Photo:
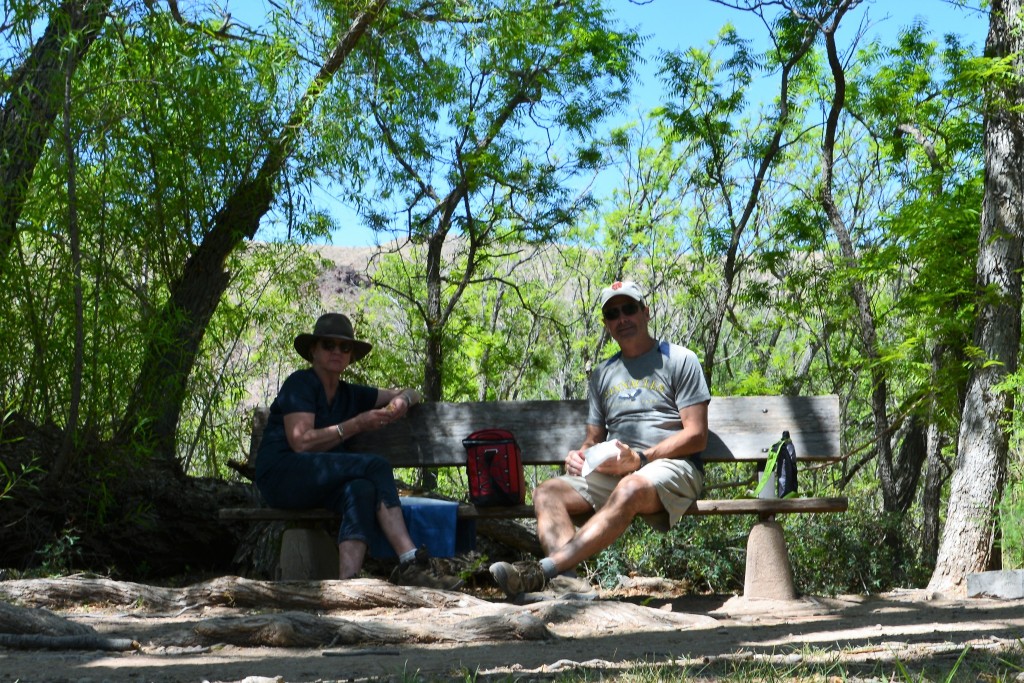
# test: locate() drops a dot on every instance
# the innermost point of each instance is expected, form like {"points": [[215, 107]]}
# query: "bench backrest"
{"points": [[742, 428]]}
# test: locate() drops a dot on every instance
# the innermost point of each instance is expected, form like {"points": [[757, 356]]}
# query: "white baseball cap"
{"points": [[627, 288]]}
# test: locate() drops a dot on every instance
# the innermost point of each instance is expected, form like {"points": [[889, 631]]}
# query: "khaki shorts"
{"points": [[677, 481]]}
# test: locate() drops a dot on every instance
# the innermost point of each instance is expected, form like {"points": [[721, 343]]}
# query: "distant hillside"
{"points": [[347, 275]]}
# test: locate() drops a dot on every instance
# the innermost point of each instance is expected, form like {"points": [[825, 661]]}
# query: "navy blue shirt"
{"points": [[303, 392]]}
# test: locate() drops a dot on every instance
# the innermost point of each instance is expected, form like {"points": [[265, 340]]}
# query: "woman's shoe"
{"points": [[420, 572]]}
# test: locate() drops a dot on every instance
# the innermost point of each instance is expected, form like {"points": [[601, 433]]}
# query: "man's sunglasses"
{"points": [[614, 312], [343, 346]]}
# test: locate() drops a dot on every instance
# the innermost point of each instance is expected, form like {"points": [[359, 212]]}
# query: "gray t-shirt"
{"points": [[637, 400]]}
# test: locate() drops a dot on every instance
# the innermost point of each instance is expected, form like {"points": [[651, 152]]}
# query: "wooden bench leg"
{"points": [[768, 572], [307, 555]]}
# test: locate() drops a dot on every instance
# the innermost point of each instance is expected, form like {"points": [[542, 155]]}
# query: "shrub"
{"points": [[831, 554], [853, 552]]}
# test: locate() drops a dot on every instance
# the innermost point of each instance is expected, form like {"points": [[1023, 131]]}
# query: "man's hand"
{"points": [[574, 463], [626, 462]]}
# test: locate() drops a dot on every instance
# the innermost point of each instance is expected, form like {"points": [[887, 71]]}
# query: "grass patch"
{"points": [[880, 664]]}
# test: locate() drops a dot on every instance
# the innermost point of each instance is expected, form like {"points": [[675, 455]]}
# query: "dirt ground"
{"points": [[706, 635]]}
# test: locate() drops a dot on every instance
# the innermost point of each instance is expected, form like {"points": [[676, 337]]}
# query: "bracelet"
{"points": [[341, 431]]}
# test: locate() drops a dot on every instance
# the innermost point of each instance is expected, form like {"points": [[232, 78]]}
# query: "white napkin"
{"points": [[597, 454]]}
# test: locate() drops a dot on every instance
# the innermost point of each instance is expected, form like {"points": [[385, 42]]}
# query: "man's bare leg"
{"points": [[555, 503], [633, 496]]}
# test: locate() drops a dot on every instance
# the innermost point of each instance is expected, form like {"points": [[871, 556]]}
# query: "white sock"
{"points": [[407, 556]]}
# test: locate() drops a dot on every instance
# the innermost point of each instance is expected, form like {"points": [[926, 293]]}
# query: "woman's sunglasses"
{"points": [[614, 312], [343, 346]]}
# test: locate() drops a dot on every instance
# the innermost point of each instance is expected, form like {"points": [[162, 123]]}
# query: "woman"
{"points": [[302, 461]]}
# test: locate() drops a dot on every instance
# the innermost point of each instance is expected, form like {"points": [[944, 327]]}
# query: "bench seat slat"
{"points": [[738, 506], [764, 506], [758, 506]]}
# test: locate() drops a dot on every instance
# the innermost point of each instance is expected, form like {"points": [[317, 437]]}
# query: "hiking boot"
{"points": [[521, 577], [421, 573]]}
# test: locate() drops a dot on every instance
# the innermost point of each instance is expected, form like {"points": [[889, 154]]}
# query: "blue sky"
{"points": [[680, 24]]}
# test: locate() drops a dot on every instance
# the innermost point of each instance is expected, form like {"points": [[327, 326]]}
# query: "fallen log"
{"points": [[36, 641], [17, 619], [298, 629], [230, 591]]}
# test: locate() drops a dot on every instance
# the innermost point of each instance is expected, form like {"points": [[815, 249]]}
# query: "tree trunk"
{"points": [[74, 242], [436, 318], [438, 312], [907, 463], [931, 497], [155, 408], [983, 441], [858, 292], [937, 467], [772, 149], [34, 93]]}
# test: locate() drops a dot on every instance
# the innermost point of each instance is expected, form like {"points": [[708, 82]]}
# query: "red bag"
{"points": [[494, 465]]}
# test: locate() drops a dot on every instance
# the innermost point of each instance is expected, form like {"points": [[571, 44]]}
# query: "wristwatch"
{"points": [[643, 457]]}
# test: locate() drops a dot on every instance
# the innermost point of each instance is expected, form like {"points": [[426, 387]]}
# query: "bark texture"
{"points": [[977, 483], [32, 98]]}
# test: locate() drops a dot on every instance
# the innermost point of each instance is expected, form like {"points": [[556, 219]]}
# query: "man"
{"points": [[650, 400]]}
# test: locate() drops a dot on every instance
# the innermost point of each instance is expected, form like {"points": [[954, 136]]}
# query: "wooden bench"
{"points": [[741, 429]]}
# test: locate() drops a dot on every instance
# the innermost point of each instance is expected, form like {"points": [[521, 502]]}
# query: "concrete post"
{"points": [[768, 573], [308, 555]]}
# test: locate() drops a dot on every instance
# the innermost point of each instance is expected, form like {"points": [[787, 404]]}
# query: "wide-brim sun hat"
{"points": [[625, 288], [331, 326]]}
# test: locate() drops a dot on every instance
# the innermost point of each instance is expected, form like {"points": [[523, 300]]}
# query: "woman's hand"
{"points": [[397, 402], [376, 418], [398, 406]]}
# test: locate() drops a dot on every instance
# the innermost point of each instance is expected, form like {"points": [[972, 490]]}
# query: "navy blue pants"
{"points": [[351, 484]]}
